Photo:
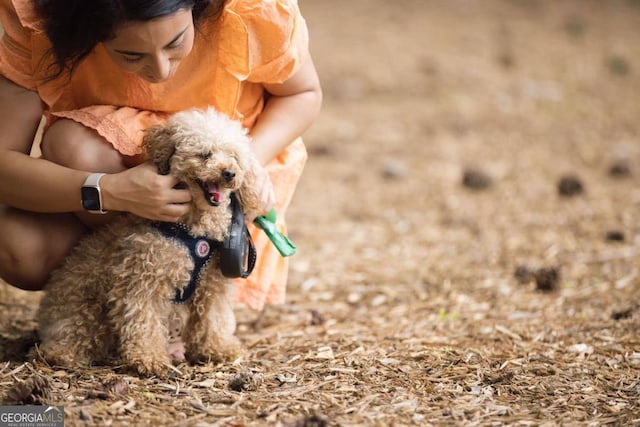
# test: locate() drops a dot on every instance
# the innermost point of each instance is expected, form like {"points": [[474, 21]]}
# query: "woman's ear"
{"points": [[159, 146]]}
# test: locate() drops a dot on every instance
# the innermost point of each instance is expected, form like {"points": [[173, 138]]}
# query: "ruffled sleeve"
{"points": [[16, 57], [263, 41]]}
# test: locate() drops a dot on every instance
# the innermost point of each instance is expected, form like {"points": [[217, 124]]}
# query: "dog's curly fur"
{"points": [[113, 294]]}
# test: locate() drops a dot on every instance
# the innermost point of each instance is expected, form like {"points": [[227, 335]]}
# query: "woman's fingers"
{"points": [[173, 212]]}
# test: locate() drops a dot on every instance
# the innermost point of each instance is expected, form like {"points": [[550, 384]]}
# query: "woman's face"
{"points": [[153, 49]]}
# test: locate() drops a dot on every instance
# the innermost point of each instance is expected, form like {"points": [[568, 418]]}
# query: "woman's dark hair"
{"points": [[75, 27]]}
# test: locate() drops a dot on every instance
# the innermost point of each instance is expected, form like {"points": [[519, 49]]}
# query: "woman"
{"points": [[103, 71]]}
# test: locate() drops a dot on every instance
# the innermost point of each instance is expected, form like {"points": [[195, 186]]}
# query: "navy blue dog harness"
{"points": [[201, 250]]}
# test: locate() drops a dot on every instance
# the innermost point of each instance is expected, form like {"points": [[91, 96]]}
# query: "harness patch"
{"points": [[203, 249]]}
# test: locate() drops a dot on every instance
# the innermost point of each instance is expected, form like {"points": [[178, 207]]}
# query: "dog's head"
{"points": [[210, 154]]}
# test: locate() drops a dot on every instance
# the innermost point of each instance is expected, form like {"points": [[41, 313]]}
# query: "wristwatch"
{"points": [[90, 193]]}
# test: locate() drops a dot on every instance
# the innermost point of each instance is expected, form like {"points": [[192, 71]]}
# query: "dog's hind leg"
{"points": [[209, 336], [72, 332]]}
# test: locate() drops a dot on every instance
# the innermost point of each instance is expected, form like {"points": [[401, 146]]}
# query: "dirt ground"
{"points": [[468, 229]]}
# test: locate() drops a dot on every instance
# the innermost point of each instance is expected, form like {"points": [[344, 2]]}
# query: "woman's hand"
{"points": [[143, 192]]}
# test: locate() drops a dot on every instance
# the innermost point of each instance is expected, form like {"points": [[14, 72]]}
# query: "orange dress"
{"points": [[252, 42]]}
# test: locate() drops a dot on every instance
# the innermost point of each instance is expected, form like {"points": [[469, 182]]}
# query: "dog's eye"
{"points": [[205, 156]]}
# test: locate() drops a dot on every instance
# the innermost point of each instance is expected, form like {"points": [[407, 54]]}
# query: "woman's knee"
{"points": [[30, 250], [74, 145], [25, 263]]}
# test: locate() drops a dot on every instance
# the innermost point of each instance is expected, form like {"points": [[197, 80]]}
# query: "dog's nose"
{"points": [[228, 175]]}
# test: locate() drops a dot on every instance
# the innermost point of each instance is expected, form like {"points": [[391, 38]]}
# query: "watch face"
{"points": [[90, 198]]}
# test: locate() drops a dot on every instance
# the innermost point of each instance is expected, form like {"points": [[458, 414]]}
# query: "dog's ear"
{"points": [[159, 145]]}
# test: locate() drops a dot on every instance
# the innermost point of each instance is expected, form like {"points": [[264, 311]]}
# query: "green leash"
{"points": [[280, 241]]}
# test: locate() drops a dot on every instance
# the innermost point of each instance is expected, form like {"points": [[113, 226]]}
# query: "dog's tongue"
{"points": [[214, 192]]}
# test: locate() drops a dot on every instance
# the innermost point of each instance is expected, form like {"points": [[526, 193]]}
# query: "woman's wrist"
{"points": [[91, 194]]}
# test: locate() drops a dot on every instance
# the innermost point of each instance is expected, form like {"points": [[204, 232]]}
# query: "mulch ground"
{"points": [[468, 229]]}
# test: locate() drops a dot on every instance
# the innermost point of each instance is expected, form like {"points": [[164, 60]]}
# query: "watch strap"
{"points": [[93, 180]]}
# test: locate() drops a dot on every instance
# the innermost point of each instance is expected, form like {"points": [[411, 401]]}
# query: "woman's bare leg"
{"points": [[33, 244], [71, 144]]}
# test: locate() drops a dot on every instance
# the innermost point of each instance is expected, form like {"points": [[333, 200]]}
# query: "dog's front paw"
{"points": [[225, 351], [149, 364], [57, 355], [150, 368]]}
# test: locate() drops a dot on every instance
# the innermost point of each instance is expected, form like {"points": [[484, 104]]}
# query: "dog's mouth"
{"points": [[212, 193]]}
